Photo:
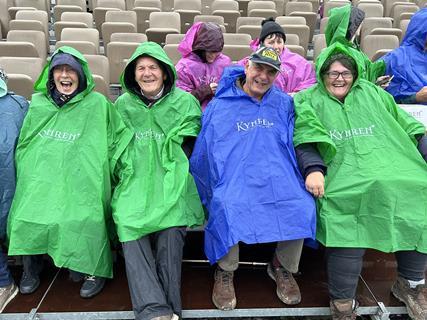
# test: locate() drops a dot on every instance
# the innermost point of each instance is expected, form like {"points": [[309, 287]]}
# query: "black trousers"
{"points": [[345, 264], [153, 269]]}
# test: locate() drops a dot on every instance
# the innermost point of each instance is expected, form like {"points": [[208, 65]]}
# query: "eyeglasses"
{"points": [[333, 75]]}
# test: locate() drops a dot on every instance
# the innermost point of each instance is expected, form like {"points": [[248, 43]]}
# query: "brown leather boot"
{"points": [[287, 288], [342, 309], [415, 299], [223, 295]]}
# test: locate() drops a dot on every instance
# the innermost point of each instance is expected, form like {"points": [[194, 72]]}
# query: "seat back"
{"points": [[118, 52], [370, 24], [37, 38], [237, 39], [237, 52], [372, 43], [85, 47], [84, 17], [128, 37], [172, 52], [298, 6], [371, 9], [60, 25], [78, 34]]}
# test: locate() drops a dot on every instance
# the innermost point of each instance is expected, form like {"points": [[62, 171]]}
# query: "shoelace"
{"points": [[226, 278], [90, 278], [287, 276]]}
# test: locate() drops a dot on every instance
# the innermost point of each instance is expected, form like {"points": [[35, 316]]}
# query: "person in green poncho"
{"points": [[374, 194], [153, 209], [68, 155], [344, 26]]}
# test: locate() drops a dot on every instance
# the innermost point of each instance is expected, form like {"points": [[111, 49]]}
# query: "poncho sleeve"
{"points": [[184, 81], [309, 129], [412, 127]]}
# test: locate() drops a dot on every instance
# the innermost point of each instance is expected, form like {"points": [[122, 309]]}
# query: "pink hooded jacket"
{"points": [[296, 72], [195, 75]]}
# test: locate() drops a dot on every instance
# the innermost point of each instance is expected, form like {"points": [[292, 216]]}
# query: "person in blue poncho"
{"points": [[247, 175], [408, 63], [12, 112]]}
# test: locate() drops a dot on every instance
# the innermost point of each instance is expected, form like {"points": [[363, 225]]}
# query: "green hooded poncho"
{"points": [[336, 31], [65, 161], [375, 187], [161, 193]]}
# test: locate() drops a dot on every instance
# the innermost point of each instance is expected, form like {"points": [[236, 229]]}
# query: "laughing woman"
{"points": [[374, 194]]}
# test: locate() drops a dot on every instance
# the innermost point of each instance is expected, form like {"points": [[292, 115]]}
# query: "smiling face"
{"points": [[66, 79], [276, 42], [149, 75], [338, 80], [259, 78]]}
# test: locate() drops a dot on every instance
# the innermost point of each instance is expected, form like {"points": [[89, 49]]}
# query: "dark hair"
{"points": [[344, 59]]}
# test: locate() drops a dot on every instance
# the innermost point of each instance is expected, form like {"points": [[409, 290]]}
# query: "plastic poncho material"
{"points": [[296, 72], [12, 112], [192, 71], [65, 160], [161, 193], [336, 31], [408, 63], [246, 171], [375, 187]]}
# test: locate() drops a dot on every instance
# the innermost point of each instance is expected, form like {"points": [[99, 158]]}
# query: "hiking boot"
{"points": [[223, 295], [287, 288], [415, 299], [7, 294], [29, 283], [342, 309], [92, 286]]}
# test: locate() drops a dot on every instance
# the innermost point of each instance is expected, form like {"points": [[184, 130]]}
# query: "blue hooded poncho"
{"points": [[246, 171], [408, 63]]}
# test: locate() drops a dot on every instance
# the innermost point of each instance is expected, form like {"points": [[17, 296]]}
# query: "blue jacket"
{"points": [[12, 112], [246, 172], [408, 63]]}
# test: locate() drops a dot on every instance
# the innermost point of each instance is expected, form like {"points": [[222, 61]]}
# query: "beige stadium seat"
{"points": [[118, 53], [85, 47], [128, 37], [29, 66], [299, 6], [121, 16], [209, 18], [37, 15], [118, 21], [37, 38], [13, 10], [101, 85], [102, 7], [99, 65], [21, 84], [400, 9], [4, 17], [319, 43], [129, 4], [143, 17], [380, 53], [237, 39], [18, 49], [310, 18], [174, 38], [265, 13], [68, 6], [253, 31], [148, 4], [315, 4], [248, 21], [334, 4], [292, 39], [167, 5], [262, 8], [60, 25], [84, 17], [172, 52], [291, 20], [403, 26], [229, 9], [237, 52], [77, 34], [296, 49], [187, 10], [280, 6], [388, 4], [370, 24], [29, 25], [372, 43], [371, 9], [303, 32], [161, 24], [38, 4], [390, 31], [323, 24]]}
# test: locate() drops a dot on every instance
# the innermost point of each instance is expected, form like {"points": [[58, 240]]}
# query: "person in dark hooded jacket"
{"points": [[12, 112], [202, 62]]}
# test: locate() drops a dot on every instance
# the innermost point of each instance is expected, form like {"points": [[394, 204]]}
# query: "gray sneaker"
{"points": [[342, 309], [7, 294], [92, 286], [223, 295], [29, 283], [415, 299]]}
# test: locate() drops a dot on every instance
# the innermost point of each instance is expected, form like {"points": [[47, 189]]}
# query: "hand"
{"points": [[315, 184], [421, 95], [213, 86], [383, 81]]}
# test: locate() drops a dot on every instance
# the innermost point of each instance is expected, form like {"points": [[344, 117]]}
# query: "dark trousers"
{"points": [[153, 269], [345, 264], [5, 276], [33, 264]]}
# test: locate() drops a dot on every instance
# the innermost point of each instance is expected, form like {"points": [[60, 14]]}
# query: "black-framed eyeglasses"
{"points": [[335, 75]]}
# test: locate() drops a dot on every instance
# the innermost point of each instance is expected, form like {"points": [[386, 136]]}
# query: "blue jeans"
{"points": [[5, 276]]}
